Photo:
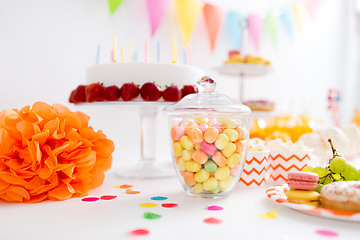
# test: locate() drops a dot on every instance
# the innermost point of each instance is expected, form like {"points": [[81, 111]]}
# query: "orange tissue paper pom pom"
{"points": [[50, 152]]}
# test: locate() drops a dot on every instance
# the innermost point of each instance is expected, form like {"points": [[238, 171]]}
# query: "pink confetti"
{"points": [[169, 205], [107, 197], [139, 232], [326, 233], [212, 220], [90, 199], [214, 208]]}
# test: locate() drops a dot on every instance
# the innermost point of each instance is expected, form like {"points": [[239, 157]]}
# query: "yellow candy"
{"points": [[181, 164], [186, 154], [192, 166], [201, 120], [198, 188], [221, 141], [234, 159], [229, 149], [177, 149], [210, 184], [211, 134], [232, 134], [186, 142], [228, 123], [226, 183], [197, 146], [222, 173], [201, 175]]}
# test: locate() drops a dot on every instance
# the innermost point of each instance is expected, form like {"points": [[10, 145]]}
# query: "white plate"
{"points": [[277, 194]]}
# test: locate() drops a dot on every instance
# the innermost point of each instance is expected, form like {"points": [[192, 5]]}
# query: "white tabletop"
{"points": [[114, 219]]}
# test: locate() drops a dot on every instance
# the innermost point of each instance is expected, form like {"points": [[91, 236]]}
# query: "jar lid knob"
{"points": [[206, 85]]}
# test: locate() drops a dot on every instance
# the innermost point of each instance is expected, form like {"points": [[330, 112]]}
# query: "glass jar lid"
{"points": [[207, 101]]}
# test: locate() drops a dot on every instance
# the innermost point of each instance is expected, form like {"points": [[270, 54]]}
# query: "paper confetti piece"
{"points": [[214, 208], [124, 186], [90, 199], [159, 198], [148, 205], [129, 191], [139, 232], [169, 205], [212, 220], [326, 233], [268, 215], [108, 197], [149, 215]]}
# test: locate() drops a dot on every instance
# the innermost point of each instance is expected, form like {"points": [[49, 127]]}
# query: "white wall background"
{"points": [[47, 45]]}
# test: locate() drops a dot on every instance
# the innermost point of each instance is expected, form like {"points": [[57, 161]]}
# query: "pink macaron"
{"points": [[302, 180]]}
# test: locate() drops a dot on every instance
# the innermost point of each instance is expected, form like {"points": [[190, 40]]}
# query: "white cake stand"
{"points": [[147, 166], [243, 70]]}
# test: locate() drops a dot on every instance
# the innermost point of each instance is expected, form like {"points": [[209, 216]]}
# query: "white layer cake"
{"points": [[139, 73]]}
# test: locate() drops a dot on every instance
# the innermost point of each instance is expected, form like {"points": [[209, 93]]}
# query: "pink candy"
{"points": [[208, 148], [235, 170], [177, 132], [203, 127]]}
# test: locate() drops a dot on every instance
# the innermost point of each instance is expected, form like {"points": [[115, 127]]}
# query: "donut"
{"points": [[344, 196]]}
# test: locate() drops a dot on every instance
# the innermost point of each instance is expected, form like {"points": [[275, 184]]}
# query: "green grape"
{"points": [[318, 188], [337, 177], [351, 173], [308, 169], [322, 172], [338, 165], [328, 180]]}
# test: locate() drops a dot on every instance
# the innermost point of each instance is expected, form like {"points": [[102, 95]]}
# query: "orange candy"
{"points": [[241, 132], [240, 145], [219, 159], [211, 134], [200, 157], [195, 134], [189, 178]]}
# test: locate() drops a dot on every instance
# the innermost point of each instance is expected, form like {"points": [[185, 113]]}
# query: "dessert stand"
{"points": [[147, 166]]}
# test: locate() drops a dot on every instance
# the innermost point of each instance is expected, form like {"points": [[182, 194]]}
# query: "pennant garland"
{"points": [[271, 24], [113, 5], [157, 10], [188, 12], [233, 21], [214, 17], [255, 28]]}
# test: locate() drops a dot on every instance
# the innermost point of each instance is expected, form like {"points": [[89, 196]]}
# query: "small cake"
{"points": [[260, 105], [235, 57], [344, 196]]}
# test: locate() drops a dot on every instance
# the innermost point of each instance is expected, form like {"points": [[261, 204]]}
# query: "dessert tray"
{"points": [[244, 69], [277, 194]]}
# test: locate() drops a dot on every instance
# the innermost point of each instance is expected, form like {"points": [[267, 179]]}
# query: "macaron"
{"points": [[303, 196], [302, 180]]}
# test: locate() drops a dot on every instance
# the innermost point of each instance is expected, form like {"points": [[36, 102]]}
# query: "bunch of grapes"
{"points": [[338, 169]]}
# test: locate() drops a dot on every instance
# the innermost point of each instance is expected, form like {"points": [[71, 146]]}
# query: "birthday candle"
{"points": [[98, 54], [174, 50], [130, 51], [158, 51], [146, 50], [134, 57], [114, 49], [189, 54], [122, 53], [185, 57]]}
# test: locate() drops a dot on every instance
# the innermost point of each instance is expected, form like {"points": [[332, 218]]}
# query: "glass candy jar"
{"points": [[209, 135]]}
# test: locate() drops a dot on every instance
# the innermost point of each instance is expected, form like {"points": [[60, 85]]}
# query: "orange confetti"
{"points": [[49, 152], [129, 191], [124, 186]]}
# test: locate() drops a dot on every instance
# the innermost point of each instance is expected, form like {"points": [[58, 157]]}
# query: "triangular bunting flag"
{"points": [[214, 17], [157, 10], [255, 26], [271, 25], [188, 12], [113, 5], [286, 18], [295, 7], [233, 21]]}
